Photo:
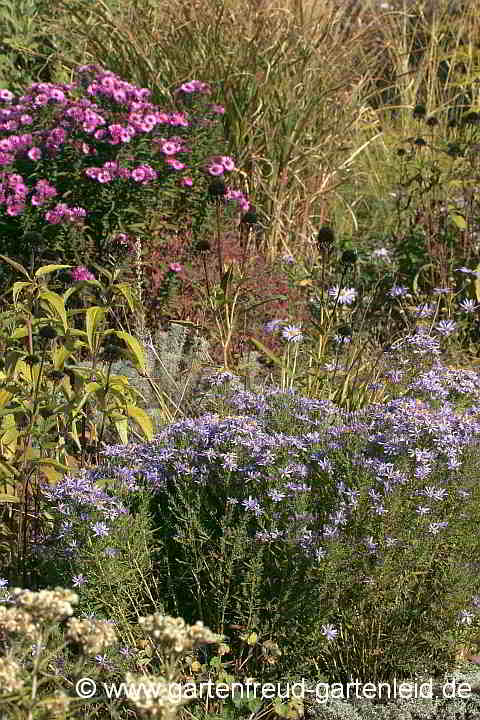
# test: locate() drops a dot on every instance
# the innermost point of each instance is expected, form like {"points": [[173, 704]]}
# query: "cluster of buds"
{"points": [[175, 635], [93, 636]]}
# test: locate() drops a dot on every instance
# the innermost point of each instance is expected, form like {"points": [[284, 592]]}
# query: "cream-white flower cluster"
{"points": [[10, 680], [153, 697], [49, 605], [16, 620], [175, 635], [94, 636]]}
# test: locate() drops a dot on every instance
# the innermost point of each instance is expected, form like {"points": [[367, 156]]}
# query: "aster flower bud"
{"points": [[454, 150], [217, 189], [32, 360], [349, 257], [47, 332], [471, 118], [325, 237], [345, 331], [202, 246], [250, 217], [419, 112]]}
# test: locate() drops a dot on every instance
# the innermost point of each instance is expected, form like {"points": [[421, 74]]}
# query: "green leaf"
{"points": [[18, 287], [94, 317], [122, 429], [56, 302], [16, 265], [126, 291], [459, 221], [135, 348], [49, 268]]}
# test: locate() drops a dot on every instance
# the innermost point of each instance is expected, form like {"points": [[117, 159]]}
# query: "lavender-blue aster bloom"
{"points": [[446, 327], [329, 631], [292, 333]]}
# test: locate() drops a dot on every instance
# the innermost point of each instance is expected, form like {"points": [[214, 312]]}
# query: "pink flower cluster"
{"points": [[111, 170], [43, 191], [219, 164], [61, 213], [135, 115], [81, 274], [13, 193]]}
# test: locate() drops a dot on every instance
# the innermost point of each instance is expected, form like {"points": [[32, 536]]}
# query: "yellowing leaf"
{"points": [[122, 429], [20, 332], [459, 221], [16, 265], [125, 290], [56, 302], [134, 347], [94, 317], [4, 397], [17, 289], [143, 419], [49, 268], [52, 475], [5, 498]]}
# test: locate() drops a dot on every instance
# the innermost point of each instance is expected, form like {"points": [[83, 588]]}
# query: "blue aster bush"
{"points": [[84, 165], [347, 538]]}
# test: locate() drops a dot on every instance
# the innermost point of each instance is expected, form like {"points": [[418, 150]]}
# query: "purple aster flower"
{"points": [[434, 528], [466, 617], [291, 333], [382, 253], [100, 529], [79, 580], [272, 325], [398, 291], [346, 296], [469, 306], [3, 582], [329, 631], [252, 504], [442, 291], [446, 327]]}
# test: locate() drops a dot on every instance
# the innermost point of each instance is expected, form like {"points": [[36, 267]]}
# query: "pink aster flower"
{"points": [[15, 209], [57, 95], [175, 164], [175, 267], [34, 153], [103, 176], [81, 274], [40, 100], [138, 174], [216, 169], [6, 95], [186, 182]]}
